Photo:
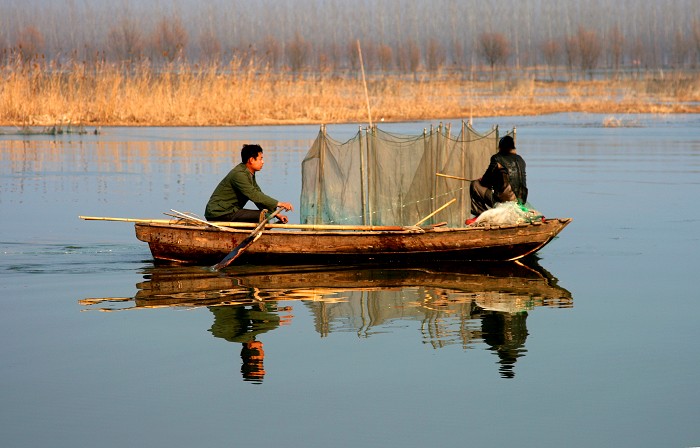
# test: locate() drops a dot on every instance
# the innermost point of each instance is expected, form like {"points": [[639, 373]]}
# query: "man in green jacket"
{"points": [[238, 187]]}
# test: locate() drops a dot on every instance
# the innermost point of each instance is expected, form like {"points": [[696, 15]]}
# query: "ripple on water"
{"points": [[33, 258]]}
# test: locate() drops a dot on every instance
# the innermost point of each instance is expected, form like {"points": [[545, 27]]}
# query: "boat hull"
{"points": [[187, 244]]}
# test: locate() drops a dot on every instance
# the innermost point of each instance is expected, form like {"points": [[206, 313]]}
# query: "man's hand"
{"points": [[282, 218], [285, 205]]}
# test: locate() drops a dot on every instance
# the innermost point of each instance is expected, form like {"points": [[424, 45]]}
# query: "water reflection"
{"points": [[243, 324], [474, 305]]}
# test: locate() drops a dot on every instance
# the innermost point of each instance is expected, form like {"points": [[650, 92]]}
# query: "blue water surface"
{"points": [[592, 343]]}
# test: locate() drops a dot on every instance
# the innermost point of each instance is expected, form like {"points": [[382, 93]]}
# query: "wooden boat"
{"points": [[183, 242]]}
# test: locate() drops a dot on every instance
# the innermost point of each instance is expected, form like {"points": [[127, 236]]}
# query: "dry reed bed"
{"points": [[105, 94]]}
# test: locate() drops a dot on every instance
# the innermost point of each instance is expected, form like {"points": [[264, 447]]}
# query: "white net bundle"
{"points": [[508, 213]]}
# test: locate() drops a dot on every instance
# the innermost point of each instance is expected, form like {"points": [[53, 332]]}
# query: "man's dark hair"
{"points": [[249, 151], [506, 144]]}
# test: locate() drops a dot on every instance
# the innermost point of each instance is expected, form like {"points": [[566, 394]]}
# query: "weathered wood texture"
{"points": [[202, 245]]}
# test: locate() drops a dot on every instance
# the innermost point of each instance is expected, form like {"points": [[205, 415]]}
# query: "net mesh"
{"points": [[508, 213], [380, 178]]}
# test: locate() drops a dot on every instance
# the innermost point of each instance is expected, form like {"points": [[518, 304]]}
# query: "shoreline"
{"points": [[187, 99]]}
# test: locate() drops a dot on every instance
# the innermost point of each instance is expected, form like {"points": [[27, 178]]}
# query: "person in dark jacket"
{"points": [[503, 181], [238, 187]]}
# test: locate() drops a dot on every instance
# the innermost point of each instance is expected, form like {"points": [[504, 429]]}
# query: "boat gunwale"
{"points": [[405, 232]]}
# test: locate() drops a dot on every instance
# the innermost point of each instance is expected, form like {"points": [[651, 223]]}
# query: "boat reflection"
{"points": [[466, 305]]}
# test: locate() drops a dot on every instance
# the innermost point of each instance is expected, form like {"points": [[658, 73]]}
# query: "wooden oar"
{"points": [[247, 241], [435, 212]]}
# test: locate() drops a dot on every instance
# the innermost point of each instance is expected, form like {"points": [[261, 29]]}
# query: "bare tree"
{"points": [[444, 32], [434, 55], [325, 62], [400, 58], [384, 54], [298, 51], [209, 46], [369, 54], [637, 50], [125, 41], [590, 50], [414, 57], [408, 58], [353, 55], [695, 33], [551, 52], [572, 54], [616, 48], [273, 50], [4, 50], [335, 56], [493, 48], [681, 50], [458, 59], [170, 38], [29, 43]]}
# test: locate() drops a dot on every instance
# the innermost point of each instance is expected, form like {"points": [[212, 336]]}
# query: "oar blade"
{"points": [[247, 241], [235, 253]]}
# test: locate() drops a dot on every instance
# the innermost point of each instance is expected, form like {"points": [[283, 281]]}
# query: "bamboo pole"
{"points": [[362, 66], [435, 212], [463, 168], [427, 147], [251, 225], [453, 177], [138, 220], [362, 179], [320, 183], [196, 219], [371, 161]]}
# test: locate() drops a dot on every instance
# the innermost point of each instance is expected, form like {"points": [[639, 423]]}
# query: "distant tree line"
{"points": [[553, 39]]}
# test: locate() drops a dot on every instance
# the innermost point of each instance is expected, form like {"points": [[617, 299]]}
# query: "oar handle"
{"points": [[266, 220]]}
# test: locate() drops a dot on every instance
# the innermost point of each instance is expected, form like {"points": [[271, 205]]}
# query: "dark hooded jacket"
{"points": [[506, 168]]}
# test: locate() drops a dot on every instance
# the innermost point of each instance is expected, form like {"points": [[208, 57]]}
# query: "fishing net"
{"points": [[506, 213], [381, 178]]}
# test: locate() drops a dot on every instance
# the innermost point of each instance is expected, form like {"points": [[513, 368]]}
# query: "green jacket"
{"points": [[234, 191]]}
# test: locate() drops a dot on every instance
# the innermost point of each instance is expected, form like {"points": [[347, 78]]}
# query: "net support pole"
{"points": [[427, 146], [363, 196], [370, 173], [463, 171], [320, 184]]}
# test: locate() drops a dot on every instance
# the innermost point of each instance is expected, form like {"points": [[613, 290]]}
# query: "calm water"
{"points": [[594, 343]]}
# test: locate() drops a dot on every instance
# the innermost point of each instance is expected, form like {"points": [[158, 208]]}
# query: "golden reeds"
{"points": [[104, 94]]}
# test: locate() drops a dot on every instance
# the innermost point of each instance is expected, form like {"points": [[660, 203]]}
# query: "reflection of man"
{"points": [[252, 355], [505, 333], [243, 324]]}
